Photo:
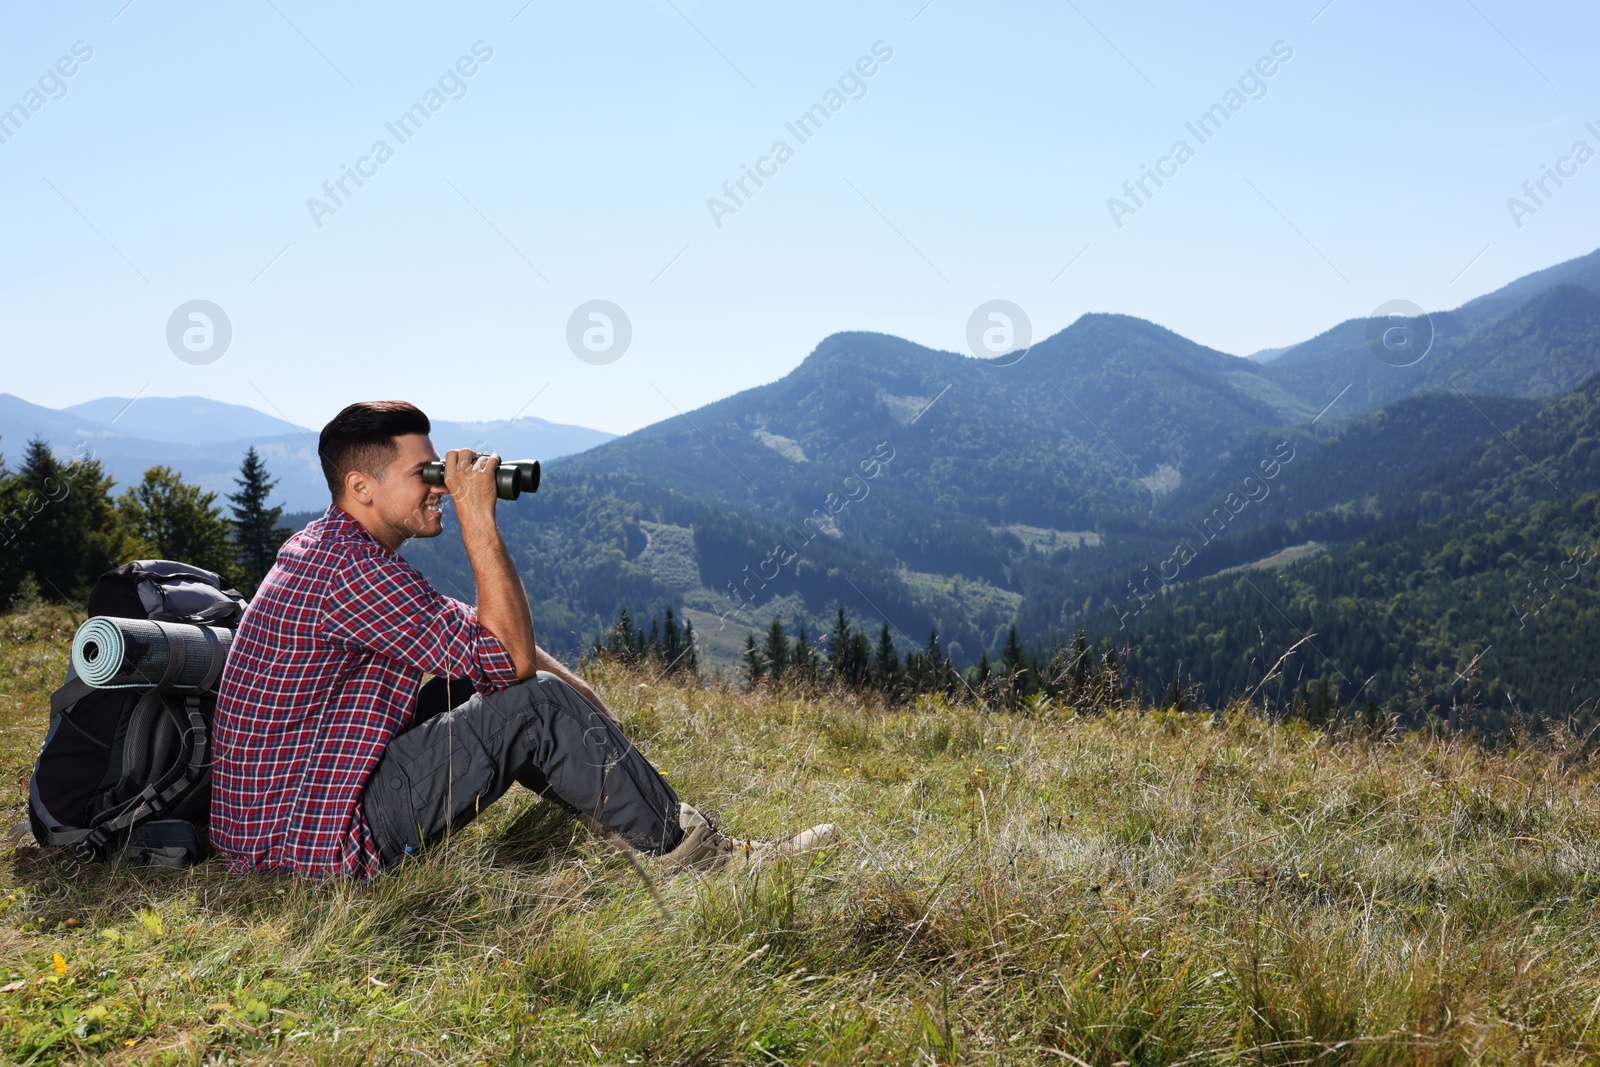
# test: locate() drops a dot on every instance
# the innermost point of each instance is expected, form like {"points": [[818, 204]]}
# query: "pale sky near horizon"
{"points": [[575, 163]]}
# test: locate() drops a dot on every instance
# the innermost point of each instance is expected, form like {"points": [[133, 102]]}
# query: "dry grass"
{"points": [[1140, 887]]}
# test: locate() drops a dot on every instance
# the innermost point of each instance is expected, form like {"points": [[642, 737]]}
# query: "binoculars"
{"points": [[515, 477]]}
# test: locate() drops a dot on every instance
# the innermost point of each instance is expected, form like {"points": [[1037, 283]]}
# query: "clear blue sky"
{"points": [[977, 164]]}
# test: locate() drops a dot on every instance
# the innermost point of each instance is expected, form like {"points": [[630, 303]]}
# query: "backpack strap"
{"points": [[156, 797], [177, 656], [143, 724], [73, 691], [219, 657]]}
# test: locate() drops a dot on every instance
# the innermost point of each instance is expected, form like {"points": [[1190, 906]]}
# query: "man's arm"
{"points": [[547, 662], [502, 601]]}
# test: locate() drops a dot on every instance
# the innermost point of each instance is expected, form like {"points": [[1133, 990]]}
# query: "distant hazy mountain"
{"points": [[1267, 355], [1105, 414], [1471, 348], [1543, 348], [20, 420], [1583, 272], [525, 438], [206, 441], [188, 420]]}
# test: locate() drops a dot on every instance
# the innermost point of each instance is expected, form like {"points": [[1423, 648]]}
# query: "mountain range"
{"points": [[206, 440], [1115, 476], [1026, 491]]}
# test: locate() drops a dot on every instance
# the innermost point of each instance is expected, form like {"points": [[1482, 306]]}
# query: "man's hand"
{"points": [[471, 481], [502, 600]]}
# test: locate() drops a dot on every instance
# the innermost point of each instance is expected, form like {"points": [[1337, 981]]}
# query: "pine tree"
{"points": [[257, 535], [839, 645], [1321, 703], [858, 664], [179, 521], [12, 516], [671, 643], [1015, 663], [950, 678], [691, 655], [1081, 667], [620, 641], [755, 665], [776, 651], [886, 663], [61, 527], [930, 665], [803, 657]]}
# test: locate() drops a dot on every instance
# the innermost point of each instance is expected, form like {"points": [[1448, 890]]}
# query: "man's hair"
{"points": [[361, 438]]}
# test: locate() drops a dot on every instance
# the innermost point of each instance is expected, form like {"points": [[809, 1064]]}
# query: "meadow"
{"points": [[1049, 885]]}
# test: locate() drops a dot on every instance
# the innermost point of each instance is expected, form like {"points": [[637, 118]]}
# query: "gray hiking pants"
{"points": [[436, 775]]}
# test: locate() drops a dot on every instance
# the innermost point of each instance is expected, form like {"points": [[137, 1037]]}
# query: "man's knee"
{"points": [[547, 686], [548, 691], [538, 685]]}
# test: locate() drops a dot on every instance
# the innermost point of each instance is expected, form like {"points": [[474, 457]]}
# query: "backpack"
{"points": [[128, 771]]}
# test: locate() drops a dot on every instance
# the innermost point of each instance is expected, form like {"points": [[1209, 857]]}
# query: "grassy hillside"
{"points": [[1058, 887]]}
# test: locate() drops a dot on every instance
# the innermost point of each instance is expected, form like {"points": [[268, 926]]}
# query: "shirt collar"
{"points": [[340, 520]]}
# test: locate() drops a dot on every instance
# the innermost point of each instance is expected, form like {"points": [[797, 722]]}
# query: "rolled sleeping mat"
{"points": [[113, 653]]}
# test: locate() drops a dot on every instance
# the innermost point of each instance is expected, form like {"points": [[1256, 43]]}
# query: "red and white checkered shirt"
{"points": [[321, 675]]}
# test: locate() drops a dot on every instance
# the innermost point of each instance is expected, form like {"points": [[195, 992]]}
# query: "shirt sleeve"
{"points": [[384, 605]]}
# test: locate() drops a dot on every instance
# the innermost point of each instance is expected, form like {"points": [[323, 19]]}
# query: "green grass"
{"points": [[1139, 887]]}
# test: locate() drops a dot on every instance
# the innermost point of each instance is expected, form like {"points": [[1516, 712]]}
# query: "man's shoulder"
{"points": [[334, 542]]}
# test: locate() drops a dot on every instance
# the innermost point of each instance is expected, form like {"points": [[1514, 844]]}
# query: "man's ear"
{"points": [[358, 486]]}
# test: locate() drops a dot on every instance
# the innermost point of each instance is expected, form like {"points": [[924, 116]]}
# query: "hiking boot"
{"points": [[704, 847]]}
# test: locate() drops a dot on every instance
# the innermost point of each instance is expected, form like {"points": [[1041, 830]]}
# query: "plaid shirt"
{"points": [[322, 674]]}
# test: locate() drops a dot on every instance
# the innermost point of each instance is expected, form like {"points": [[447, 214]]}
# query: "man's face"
{"points": [[405, 504]]}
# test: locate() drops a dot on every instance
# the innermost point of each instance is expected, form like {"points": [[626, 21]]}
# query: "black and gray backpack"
{"points": [[128, 771]]}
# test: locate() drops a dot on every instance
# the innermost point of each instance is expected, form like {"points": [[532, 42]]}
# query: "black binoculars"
{"points": [[515, 477]]}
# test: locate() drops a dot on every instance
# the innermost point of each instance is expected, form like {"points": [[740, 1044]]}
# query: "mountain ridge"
{"points": [[212, 463]]}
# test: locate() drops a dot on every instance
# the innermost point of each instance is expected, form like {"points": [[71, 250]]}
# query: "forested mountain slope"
{"points": [[1493, 552]]}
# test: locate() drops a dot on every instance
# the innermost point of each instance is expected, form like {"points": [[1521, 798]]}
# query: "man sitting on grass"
{"points": [[330, 761]]}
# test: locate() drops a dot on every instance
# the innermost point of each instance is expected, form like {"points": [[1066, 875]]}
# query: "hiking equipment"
{"points": [[127, 769]]}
